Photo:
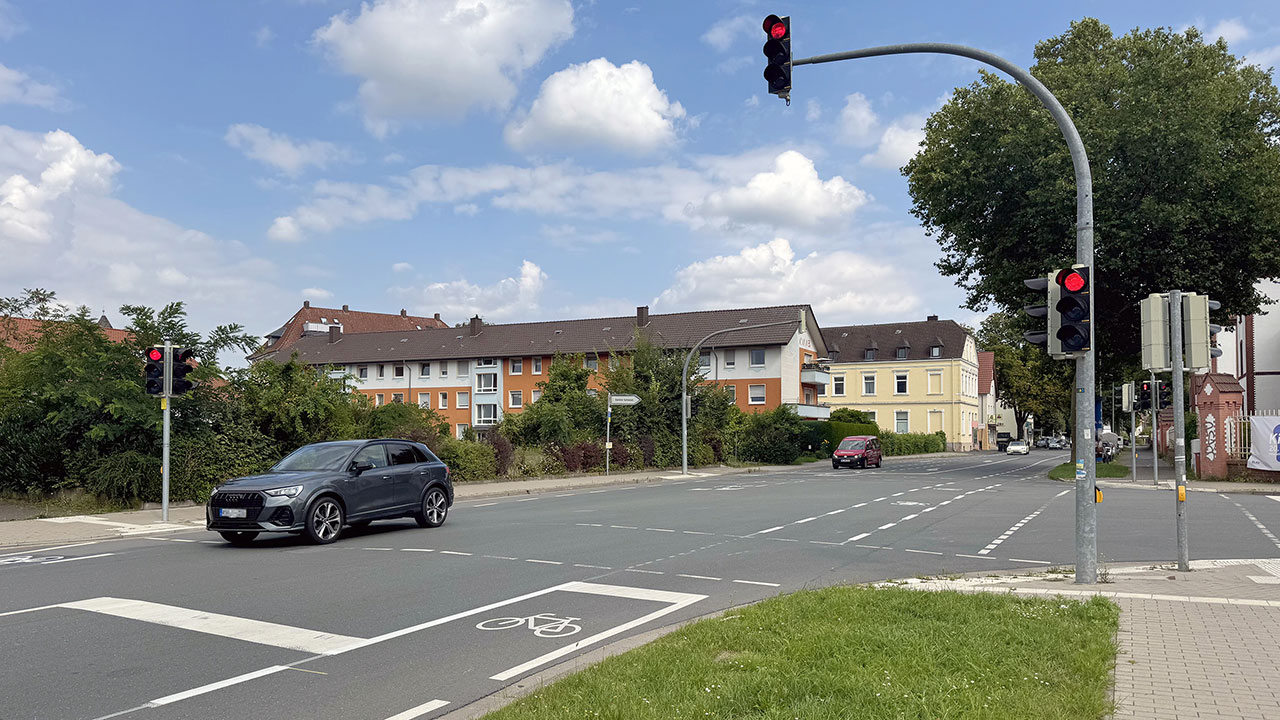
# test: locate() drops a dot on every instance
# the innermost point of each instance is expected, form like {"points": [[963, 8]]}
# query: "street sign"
{"points": [[624, 399]]}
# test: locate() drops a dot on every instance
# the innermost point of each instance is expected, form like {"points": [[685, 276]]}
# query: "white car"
{"points": [[1017, 447]]}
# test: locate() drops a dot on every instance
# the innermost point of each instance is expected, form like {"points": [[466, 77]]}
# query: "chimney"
{"points": [[335, 333], [642, 316], [437, 316], [345, 308], [402, 312], [476, 323], [306, 303], [932, 318]]}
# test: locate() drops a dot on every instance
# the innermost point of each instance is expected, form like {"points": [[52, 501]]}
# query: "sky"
{"points": [[517, 159]]}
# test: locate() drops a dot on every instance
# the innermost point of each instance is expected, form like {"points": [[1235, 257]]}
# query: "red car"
{"points": [[858, 451]]}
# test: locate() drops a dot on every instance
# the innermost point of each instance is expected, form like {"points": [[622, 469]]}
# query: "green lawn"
{"points": [[854, 652], [1067, 471]]}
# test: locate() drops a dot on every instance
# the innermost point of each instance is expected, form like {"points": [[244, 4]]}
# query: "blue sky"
{"points": [[520, 159]]}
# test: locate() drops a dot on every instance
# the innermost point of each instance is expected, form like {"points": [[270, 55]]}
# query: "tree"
{"points": [[1184, 144], [849, 415], [1027, 380]]}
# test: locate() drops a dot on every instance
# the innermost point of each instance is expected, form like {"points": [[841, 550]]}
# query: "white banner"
{"points": [[1264, 446]]}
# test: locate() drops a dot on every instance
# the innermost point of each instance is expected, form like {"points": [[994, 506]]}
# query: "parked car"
{"points": [[1055, 444], [1042, 442], [858, 451], [1018, 447], [320, 488]]}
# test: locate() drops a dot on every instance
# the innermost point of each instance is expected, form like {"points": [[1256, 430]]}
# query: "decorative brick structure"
{"points": [[1218, 398]]}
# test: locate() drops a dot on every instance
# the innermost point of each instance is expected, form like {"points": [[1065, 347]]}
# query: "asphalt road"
{"points": [[397, 622]]}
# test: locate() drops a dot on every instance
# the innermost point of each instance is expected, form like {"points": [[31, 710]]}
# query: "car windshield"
{"points": [[324, 456], [852, 445], [1017, 443]]}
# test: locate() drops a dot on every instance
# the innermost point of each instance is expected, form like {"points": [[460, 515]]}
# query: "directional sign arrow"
{"points": [[624, 399]]}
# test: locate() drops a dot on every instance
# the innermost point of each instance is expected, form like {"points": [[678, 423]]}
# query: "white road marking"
{"points": [[416, 550], [886, 526], [55, 547], [376, 548], [695, 532], [625, 527], [27, 610], [824, 542], [913, 515], [593, 492], [567, 495], [1018, 525], [217, 685], [419, 711], [1273, 497], [544, 562], [254, 631], [757, 582], [808, 519], [527, 499], [698, 577], [588, 524], [453, 552], [856, 538], [646, 572], [179, 540], [1037, 562], [979, 557], [593, 567], [72, 559], [763, 532], [923, 552], [1257, 523], [485, 504], [861, 504], [660, 530], [499, 557]]}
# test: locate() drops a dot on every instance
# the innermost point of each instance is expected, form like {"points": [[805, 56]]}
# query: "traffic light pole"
{"points": [[1179, 426], [165, 399], [1086, 464], [1155, 416]]}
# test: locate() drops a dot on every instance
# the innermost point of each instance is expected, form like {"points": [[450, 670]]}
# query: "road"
{"points": [[384, 623]]}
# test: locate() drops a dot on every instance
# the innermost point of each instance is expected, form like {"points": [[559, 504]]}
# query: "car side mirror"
{"points": [[358, 468]]}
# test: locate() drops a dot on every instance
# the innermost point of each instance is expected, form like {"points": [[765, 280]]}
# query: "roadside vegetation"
{"points": [[1067, 471], [856, 652]]}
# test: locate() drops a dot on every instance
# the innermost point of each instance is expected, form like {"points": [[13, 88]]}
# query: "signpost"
{"points": [[614, 399]]}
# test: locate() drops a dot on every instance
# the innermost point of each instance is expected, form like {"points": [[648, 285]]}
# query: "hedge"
{"points": [[832, 432], [911, 443]]}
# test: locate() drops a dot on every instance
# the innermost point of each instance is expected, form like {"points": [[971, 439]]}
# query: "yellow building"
{"points": [[911, 377]]}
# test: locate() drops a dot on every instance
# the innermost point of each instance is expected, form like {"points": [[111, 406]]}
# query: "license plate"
{"points": [[233, 512]]}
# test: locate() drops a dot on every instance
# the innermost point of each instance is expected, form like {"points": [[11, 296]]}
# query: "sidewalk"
{"points": [[1191, 645], [1144, 478]]}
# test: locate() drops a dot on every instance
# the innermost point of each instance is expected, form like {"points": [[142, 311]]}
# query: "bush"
{"points": [[592, 455], [620, 455], [504, 453], [469, 461], [701, 454], [911, 443], [824, 436], [773, 437], [648, 450], [571, 456], [849, 415], [120, 476]]}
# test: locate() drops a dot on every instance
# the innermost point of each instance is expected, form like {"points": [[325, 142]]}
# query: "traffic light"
{"points": [[154, 370], [1143, 401], [1074, 311], [1166, 395], [182, 365], [1126, 397], [1197, 331], [1044, 285], [1155, 332], [777, 49]]}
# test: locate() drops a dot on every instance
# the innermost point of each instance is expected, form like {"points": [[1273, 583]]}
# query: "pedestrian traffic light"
{"points": [[153, 371], [1197, 331], [182, 365], [777, 50], [1143, 401], [1166, 395], [1074, 311]]}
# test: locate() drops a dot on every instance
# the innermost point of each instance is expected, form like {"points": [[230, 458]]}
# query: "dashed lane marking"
{"points": [[698, 577], [772, 529], [543, 562], [453, 552], [1018, 525], [923, 552], [646, 572], [660, 530], [592, 567], [419, 711], [757, 582], [485, 504], [1037, 562]]}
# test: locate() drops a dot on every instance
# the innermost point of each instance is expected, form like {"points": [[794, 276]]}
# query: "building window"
{"points": [[363, 372], [486, 414], [592, 392], [382, 371], [869, 384], [464, 368], [534, 395], [869, 354], [900, 421], [808, 396], [757, 358], [517, 399], [755, 394], [484, 362], [398, 371], [464, 400], [424, 370], [487, 382], [729, 359], [444, 401], [424, 400], [900, 383], [902, 353], [462, 430], [871, 414], [397, 397], [517, 366], [591, 363], [935, 420], [537, 366], [378, 399], [444, 369], [935, 351], [704, 359], [935, 383], [837, 385], [733, 392], [822, 390]]}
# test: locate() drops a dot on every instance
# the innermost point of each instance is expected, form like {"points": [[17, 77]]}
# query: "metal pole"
{"points": [[1113, 409], [1179, 426], [608, 444], [165, 400], [1133, 429]]}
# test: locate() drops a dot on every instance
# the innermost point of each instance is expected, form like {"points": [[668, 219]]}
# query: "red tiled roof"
{"points": [[353, 322], [1224, 382], [986, 371], [22, 333]]}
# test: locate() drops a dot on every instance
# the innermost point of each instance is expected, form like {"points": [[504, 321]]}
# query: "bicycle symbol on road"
{"points": [[544, 625], [25, 559]]}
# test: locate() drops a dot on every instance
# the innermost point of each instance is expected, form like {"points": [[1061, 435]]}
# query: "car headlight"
{"points": [[290, 491]]}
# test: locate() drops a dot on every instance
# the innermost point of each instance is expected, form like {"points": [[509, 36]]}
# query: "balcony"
{"points": [[814, 374], [811, 412]]}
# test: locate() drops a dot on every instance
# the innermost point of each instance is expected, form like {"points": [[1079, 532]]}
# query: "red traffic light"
{"points": [[775, 27], [1072, 280], [155, 354]]}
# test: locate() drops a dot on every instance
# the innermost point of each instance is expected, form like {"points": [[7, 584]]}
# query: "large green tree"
{"points": [[1026, 379], [1184, 145]]}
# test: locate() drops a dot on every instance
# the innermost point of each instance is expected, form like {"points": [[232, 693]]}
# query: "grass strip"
{"points": [[858, 652], [1067, 471]]}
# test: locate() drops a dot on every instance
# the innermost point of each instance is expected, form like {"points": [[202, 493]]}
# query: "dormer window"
{"points": [[935, 351], [869, 354], [902, 353]]}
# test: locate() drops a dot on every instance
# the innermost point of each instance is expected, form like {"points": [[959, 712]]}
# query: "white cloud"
{"points": [[285, 229], [753, 101], [401, 267], [859, 124], [790, 195], [282, 152], [841, 286], [723, 33], [898, 144], [468, 209], [1230, 29], [598, 104], [62, 228], [19, 88], [408, 71], [263, 36], [1265, 57], [812, 110], [10, 23], [316, 294], [510, 298]]}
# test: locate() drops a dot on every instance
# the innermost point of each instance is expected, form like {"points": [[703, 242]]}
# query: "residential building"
{"points": [[988, 408], [476, 374], [1252, 355], [318, 320], [911, 377], [21, 333]]}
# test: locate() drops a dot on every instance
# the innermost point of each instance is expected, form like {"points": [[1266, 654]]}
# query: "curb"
{"points": [[1107, 484]]}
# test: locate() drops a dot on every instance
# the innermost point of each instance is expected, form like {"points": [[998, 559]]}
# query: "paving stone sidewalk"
{"points": [[1204, 644]]}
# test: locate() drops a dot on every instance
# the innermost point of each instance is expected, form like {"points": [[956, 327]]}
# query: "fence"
{"points": [[1237, 436]]}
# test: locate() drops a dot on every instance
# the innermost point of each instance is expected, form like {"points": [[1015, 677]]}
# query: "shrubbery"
{"points": [[911, 443], [772, 437], [469, 461]]}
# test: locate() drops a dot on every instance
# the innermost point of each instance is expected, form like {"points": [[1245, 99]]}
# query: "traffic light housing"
{"points": [[1039, 284], [1166, 395], [1155, 333], [182, 365], [777, 51], [1073, 310], [1143, 399], [153, 370], [1126, 397], [1198, 332]]}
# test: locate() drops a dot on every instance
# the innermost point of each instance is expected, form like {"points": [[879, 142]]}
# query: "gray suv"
{"points": [[321, 487]]}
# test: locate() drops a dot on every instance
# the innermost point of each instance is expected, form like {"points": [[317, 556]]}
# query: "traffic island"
{"points": [[858, 652]]}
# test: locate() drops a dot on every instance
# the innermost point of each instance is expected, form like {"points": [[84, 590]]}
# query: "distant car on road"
{"points": [[858, 451], [320, 488], [1055, 444], [1018, 447], [1042, 442]]}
